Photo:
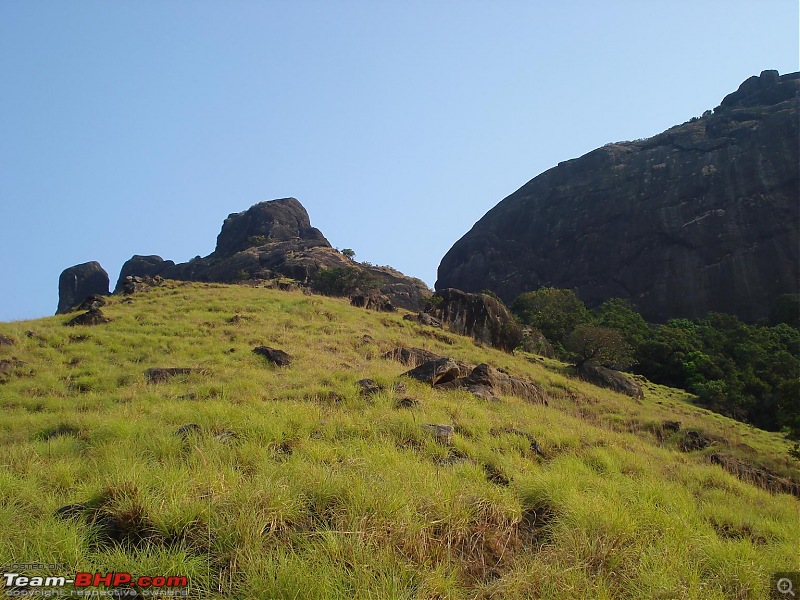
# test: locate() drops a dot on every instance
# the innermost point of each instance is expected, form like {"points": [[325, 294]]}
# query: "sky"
{"points": [[137, 127]]}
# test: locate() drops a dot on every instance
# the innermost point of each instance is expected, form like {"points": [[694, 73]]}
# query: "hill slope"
{"points": [[258, 481], [702, 217]]}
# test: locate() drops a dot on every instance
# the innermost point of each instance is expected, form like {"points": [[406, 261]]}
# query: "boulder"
{"points": [[479, 316], [93, 301], [141, 266], [78, 282], [609, 379], [700, 218], [443, 434], [533, 341], [760, 476], [92, 317], [273, 355], [373, 301], [436, 372], [412, 357], [424, 319], [489, 383], [162, 374], [6, 341]]}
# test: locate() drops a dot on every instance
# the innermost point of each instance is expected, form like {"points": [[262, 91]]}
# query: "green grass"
{"points": [[294, 485]]}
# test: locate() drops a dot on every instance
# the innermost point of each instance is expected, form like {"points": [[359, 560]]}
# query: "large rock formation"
{"points": [[703, 217], [271, 240], [479, 316], [78, 282]]}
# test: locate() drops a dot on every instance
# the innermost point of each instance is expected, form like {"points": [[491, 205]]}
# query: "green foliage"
{"points": [[786, 310], [343, 281], [601, 346], [553, 311], [349, 253], [620, 315]]}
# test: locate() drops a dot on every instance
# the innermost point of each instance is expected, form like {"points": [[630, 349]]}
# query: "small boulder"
{"points": [[435, 372], [78, 282], [609, 379], [372, 301], [5, 341], [488, 383], [93, 317], [185, 431], [412, 357], [695, 440], [278, 357], [425, 319], [443, 434], [162, 374], [93, 301]]}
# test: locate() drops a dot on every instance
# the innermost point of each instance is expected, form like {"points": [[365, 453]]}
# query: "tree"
{"points": [[619, 314], [553, 311], [349, 253], [600, 346]]}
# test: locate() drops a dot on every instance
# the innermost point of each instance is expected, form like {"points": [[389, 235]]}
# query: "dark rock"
{"points": [[436, 372], [134, 284], [482, 317], [263, 223], [8, 365], [186, 430], [442, 433], [495, 475], [278, 357], [274, 240], [78, 282], [671, 426], [488, 383], [759, 476], [141, 266], [6, 341], [425, 319], [533, 341], [695, 440], [71, 511], [162, 374], [609, 379], [407, 403], [368, 388], [93, 317], [93, 301], [412, 357], [372, 301], [700, 218]]}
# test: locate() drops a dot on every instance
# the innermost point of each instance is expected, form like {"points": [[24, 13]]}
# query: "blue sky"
{"points": [[137, 127]]}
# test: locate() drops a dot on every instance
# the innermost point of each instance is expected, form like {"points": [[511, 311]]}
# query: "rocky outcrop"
{"points": [[609, 379], [274, 240], [78, 282], [477, 315], [703, 217]]}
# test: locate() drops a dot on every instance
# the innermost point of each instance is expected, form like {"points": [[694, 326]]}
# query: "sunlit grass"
{"points": [[256, 481]]}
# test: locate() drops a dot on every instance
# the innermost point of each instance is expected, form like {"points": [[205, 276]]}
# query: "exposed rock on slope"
{"points": [[78, 282], [271, 240], [703, 217]]}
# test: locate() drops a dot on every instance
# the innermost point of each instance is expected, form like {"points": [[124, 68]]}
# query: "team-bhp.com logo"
{"points": [[16, 584]]}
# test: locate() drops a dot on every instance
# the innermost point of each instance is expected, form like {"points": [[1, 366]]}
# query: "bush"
{"points": [[553, 311], [343, 281], [601, 346]]}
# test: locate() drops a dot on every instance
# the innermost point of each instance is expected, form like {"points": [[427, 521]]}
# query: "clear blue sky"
{"points": [[137, 127]]}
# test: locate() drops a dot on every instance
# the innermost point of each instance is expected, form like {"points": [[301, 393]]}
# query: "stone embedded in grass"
{"points": [[412, 357], [162, 374], [278, 357], [762, 477], [372, 301], [93, 317], [93, 301], [7, 365], [4, 341], [186, 430], [671, 426], [532, 440], [367, 387], [609, 379], [425, 319], [441, 433], [695, 440], [407, 403]]}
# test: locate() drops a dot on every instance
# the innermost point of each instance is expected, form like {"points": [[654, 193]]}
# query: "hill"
{"points": [[700, 218], [302, 481]]}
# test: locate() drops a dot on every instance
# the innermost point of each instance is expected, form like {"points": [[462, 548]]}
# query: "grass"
{"points": [[292, 484]]}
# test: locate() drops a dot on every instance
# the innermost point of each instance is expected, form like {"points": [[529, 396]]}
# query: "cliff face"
{"points": [[703, 217]]}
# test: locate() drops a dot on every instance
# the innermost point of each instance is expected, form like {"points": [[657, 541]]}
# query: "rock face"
{"points": [[477, 315], [271, 240], [703, 217], [78, 282]]}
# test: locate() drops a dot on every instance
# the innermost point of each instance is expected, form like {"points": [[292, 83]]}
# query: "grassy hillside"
{"points": [[291, 483]]}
